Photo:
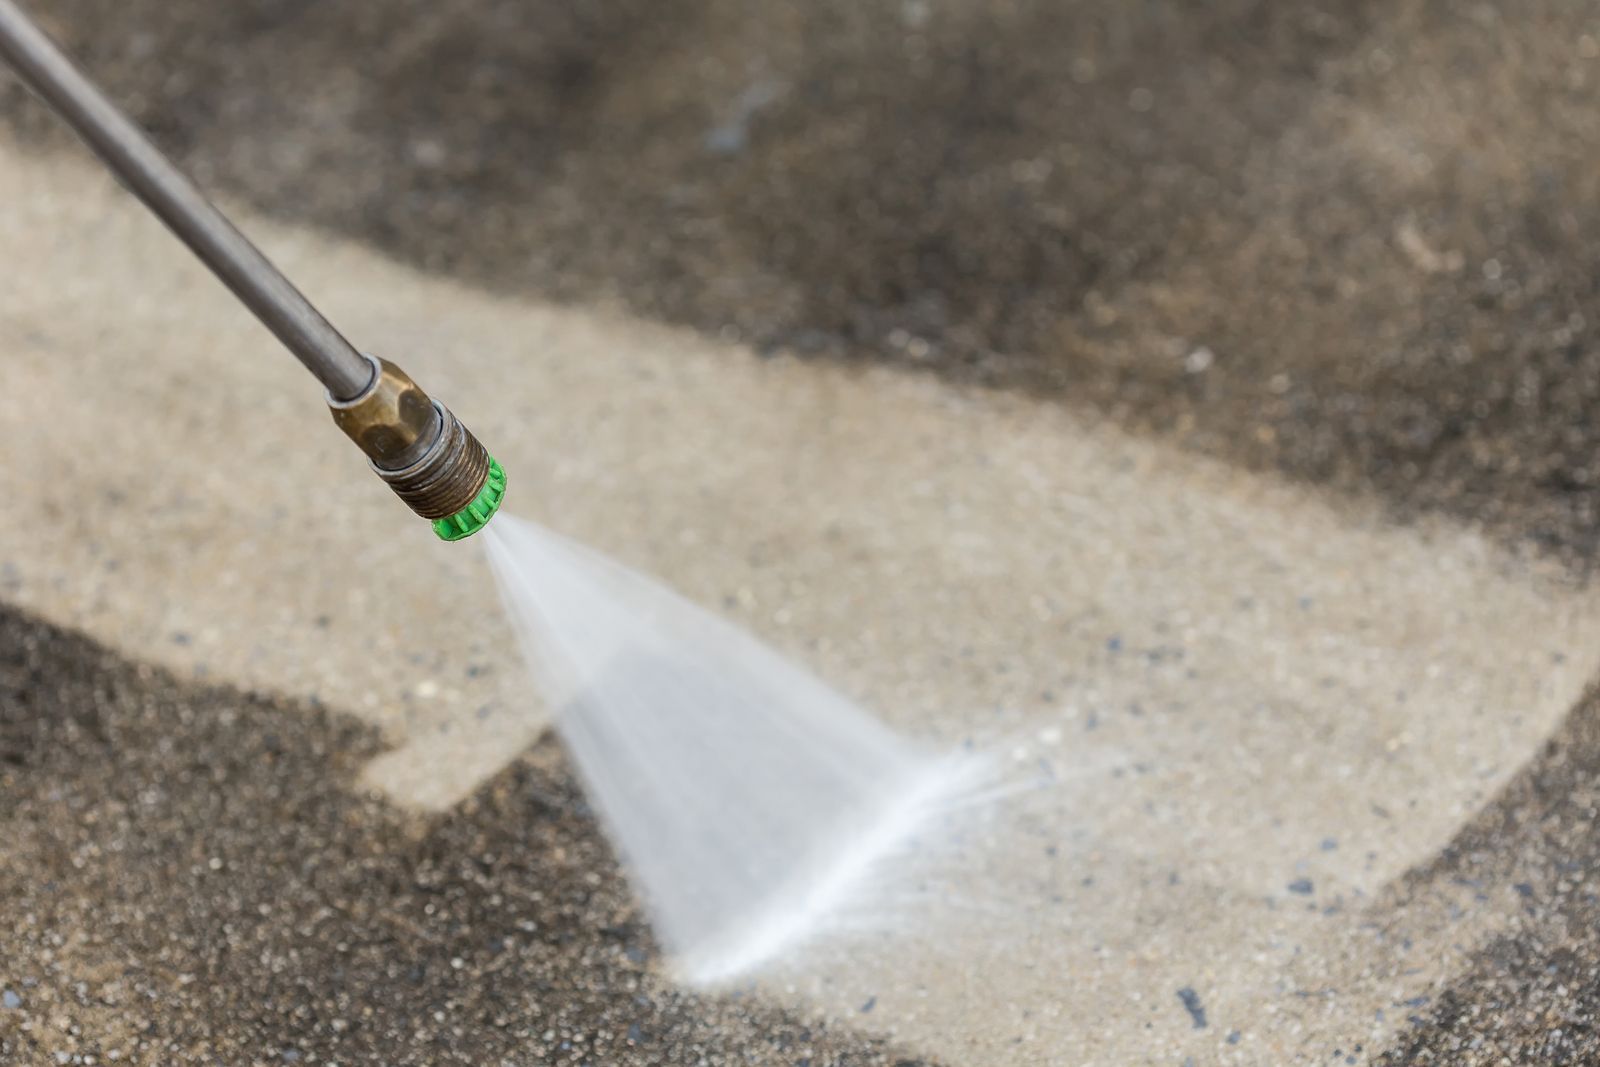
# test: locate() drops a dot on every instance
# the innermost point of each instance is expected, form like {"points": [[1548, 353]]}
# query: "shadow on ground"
{"points": [[187, 876]]}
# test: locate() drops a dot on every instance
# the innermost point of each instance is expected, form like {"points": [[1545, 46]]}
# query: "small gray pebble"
{"points": [[10, 999]]}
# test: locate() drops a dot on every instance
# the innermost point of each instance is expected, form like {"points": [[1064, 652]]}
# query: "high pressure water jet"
{"points": [[748, 799], [413, 442]]}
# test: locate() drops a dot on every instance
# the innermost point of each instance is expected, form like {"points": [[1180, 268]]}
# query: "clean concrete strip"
{"points": [[1224, 673]]}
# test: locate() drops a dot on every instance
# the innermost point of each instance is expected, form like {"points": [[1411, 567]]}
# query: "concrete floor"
{"points": [[1319, 762], [1238, 689]]}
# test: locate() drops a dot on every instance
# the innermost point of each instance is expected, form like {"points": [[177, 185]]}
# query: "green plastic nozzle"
{"points": [[476, 515]]}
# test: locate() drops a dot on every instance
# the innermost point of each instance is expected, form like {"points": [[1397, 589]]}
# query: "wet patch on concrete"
{"points": [[1347, 241], [188, 876]]}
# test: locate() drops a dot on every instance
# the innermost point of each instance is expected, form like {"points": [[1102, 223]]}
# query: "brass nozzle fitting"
{"points": [[414, 443]]}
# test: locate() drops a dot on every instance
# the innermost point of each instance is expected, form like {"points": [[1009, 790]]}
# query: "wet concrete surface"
{"points": [[191, 875], [1349, 242]]}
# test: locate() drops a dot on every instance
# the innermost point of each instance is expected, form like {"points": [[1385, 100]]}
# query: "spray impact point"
{"points": [[430, 460]]}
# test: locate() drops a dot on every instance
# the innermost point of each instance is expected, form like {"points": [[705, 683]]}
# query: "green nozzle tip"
{"points": [[476, 515]]}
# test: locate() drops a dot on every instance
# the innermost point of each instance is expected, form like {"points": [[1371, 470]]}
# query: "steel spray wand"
{"points": [[414, 443]]}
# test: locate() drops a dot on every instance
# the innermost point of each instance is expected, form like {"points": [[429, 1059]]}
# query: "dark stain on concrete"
{"points": [[187, 876], [1192, 1005]]}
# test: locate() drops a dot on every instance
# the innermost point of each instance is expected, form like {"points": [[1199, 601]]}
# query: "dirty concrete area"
{"points": [[191, 876], [1530, 994], [1351, 241]]}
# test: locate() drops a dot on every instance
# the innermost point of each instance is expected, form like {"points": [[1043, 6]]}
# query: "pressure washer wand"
{"points": [[414, 443]]}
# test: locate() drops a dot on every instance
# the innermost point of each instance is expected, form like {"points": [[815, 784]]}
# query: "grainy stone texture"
{"points": [[1532, 993], [190, 875], [1217, 672], [1352, 242]]}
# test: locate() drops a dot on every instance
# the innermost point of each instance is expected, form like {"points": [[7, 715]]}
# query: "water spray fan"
{"points": [[748, 799], [413, 442]]}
